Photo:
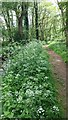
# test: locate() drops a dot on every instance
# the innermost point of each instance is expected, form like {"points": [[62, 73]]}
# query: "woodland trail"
{"points": [[59, 72]]}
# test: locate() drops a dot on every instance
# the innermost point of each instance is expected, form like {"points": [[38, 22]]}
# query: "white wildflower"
{"points": [[16, 93], [19, 99], [40, 86], [48, 92], [2, 115], [56, 108], [40, 110], [38, 92], [21, 111], [17, 75], [29, 93], [46, 77]]}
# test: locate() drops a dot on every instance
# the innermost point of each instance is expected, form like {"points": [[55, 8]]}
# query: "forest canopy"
{"points": [[24, 21]]}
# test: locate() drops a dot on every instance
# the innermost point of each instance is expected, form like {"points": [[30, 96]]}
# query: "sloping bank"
{"points": [[28, 88]]}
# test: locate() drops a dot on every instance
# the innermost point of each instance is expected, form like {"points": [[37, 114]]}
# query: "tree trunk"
{"points": [[20, 26], [7, 21], [67, 24], [33, 17], [19, 19], [33, 35], [36, 19], [12, 18], [26, 22]]}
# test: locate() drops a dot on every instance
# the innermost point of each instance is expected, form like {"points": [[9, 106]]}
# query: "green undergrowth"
{"points": [[60, 48], [28, 89]]}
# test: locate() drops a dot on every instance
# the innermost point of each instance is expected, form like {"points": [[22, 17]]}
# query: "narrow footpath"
{"points": [[59, 72]]}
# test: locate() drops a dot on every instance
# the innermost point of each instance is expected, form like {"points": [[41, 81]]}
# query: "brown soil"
{"points": [[59, 72]]}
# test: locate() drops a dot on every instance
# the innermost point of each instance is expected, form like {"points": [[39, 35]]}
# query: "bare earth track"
{"points": [[59, 71]]}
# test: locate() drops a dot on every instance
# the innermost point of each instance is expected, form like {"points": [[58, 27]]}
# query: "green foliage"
{"points": [[60, 48], [17, 37], [28, 89], [8, 49]]}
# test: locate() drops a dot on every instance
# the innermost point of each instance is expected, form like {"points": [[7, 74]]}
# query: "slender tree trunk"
{"points": [[41, 31], [19, 19], [9, 26], [26, 22], [67, 24], [33, 17], [7, 21], [20, 26], [36, 19], [12, 18], [33, 35]]}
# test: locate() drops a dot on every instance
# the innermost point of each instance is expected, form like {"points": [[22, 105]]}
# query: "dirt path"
{"points": [[59, 71]]}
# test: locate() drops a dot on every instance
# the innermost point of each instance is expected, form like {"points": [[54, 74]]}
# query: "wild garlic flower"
{"points": [[38, 91], [48, 92], [55, 108], [19, 99], [46, 77], [40, 110], [29, 93]]}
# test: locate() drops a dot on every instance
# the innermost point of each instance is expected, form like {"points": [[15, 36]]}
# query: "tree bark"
{"points": [[20, 26], [19, 19], [7, 21], [67, 24], [12, 18], [36, 19], [26, 22]]}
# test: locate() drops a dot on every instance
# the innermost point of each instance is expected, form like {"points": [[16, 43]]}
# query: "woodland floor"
{"points": [[59, 72]]}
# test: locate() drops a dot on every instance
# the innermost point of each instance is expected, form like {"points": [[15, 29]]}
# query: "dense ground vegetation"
{"points": [[28, 86]]}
